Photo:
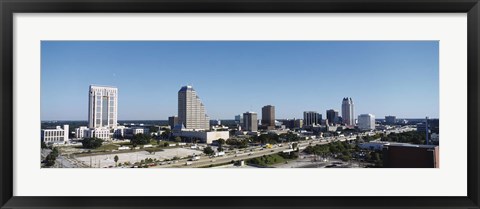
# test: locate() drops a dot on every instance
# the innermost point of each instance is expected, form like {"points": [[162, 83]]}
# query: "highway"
{"points": [[253, 152], [244, 154]]}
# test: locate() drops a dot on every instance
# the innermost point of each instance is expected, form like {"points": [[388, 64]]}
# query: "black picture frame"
{"points": [[9, 7]]}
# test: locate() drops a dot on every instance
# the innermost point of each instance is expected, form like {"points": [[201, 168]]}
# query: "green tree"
{"points": [[243, 144], [208, 151], [231, 141], [178, 139], [166, 134], [44, 146], [115, 159], [55, 152], [294, 146], [50, 160], [92, 143], [153, 129], [221, 141], [140, 139]]}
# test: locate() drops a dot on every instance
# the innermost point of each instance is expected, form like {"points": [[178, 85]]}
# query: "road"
{"points": [[246, 154], [253, 152]]}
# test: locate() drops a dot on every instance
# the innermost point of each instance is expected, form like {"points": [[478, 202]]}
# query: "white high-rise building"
{"points": [[366, 122], [191, 111], [102, 106], [348, 112]]}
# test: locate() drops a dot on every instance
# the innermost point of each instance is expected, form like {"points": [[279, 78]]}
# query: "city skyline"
{"points": [[233, 80]]}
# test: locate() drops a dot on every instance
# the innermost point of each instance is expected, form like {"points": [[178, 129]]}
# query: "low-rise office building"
{"points": [[101, 133], [80, 132], [204, 136], [55, 136], [132, 131]]}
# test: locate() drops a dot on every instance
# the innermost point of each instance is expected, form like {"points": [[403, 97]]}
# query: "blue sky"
{"points": [[398, 78]]}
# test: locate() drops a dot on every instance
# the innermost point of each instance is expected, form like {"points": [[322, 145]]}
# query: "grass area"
{"points": [[107, 147], [267, 160], [155, 142]]}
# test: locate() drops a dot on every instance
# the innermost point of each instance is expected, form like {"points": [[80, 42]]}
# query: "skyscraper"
{"points": [[191, 111], [332, 116], [390, 120], [268, 116], [172, 121], [250, 122], [298, 123], [348, 112], [102, 106], [311, 118], [366, 122], [238, 119]]}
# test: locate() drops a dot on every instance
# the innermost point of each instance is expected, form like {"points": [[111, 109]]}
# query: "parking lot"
{"points": [[107, 160]]}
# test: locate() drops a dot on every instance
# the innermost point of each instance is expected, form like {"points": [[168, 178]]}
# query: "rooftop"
{"points": [[410, 145], [101, 86], [184, 88]]}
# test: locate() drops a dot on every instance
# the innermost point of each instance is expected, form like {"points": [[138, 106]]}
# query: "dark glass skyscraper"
{"points": [[268, 116]]}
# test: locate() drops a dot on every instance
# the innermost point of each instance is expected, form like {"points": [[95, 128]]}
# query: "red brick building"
{"points": [[410, 156]]}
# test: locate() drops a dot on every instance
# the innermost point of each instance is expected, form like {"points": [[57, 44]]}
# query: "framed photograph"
{"points": [[241, 104]]}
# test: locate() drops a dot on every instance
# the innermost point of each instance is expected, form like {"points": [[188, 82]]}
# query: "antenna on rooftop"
{"points": [[426, 130]]}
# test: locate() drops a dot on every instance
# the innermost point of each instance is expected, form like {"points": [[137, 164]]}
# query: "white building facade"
{"points": [[102, 106], [204, 136], [132, 131], [191, 111], [55, 136], [250, 122], [348, 112], [101, 133], [366, 122], [81, 132]]}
